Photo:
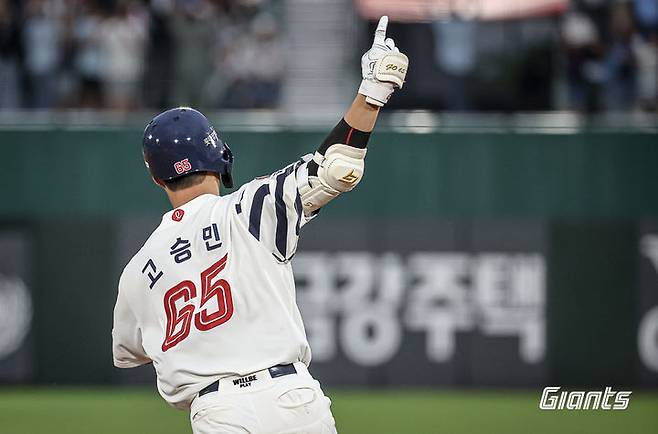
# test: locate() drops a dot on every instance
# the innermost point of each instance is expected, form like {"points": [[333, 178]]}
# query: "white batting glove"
{"points": [[383, 67]]}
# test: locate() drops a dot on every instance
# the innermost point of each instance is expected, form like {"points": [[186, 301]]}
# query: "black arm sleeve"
{"points": [[342, 133]]}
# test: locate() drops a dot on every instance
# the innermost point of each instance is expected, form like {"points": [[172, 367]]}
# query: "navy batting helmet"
{"points": [[181, 141]]}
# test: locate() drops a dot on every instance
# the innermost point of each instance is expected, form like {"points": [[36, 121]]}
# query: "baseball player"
{"points": [[210, 297]]}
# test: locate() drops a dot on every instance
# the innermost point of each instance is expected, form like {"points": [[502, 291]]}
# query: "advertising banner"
{"points": [[424, 303]]}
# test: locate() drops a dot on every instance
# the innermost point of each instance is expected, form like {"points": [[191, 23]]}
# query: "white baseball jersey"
{"points": [[211, 293]]}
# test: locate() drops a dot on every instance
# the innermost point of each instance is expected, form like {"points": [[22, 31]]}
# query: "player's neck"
{"points": [[181, 197]]}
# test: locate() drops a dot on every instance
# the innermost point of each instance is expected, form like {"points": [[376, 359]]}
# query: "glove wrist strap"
{"points": [[376, 93]]}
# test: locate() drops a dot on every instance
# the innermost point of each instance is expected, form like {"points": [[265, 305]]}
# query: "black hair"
{"points": [[185, 181]]}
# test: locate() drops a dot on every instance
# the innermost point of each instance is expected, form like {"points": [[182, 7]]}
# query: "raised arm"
{"points": [[338, 164]]}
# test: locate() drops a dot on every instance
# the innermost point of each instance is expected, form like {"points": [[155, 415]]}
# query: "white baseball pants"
{"points": [[260, 404]]}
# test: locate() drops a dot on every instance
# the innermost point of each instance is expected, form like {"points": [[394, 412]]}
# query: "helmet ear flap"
{"points": [[227, 180], [226, 177]]}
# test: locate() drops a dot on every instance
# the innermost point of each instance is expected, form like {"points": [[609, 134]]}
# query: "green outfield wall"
{"points": [[586, 175], [540, 251]]}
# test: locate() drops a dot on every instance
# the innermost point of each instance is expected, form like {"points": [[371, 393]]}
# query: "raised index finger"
{"points": [[380, 33]]}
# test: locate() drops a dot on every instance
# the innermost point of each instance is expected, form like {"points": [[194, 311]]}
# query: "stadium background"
{"points": [[504, 239]]}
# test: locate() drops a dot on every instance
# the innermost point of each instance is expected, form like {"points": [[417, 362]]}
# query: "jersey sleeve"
{"points": [[271, 208], [127, 349]]}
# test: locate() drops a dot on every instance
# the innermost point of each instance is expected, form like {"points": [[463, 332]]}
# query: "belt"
{"points": [[275, 371]]}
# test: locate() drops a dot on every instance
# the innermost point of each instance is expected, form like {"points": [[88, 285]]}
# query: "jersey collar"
{"points": [[188, 208]]}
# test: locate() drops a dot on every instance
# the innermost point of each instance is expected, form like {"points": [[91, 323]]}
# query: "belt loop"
{"points": [[212, 387], [281, 370]]}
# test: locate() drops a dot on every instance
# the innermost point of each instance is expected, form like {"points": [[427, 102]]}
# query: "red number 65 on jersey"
{"points": [[179, 320]]}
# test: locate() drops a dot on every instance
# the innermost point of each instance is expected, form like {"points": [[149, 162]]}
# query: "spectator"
{"points": [[646, 54], [41, 38], [620, 62], [194, 30], [455, 53], [160, 56], [585, 73], [122, 42], [88, 57], [9, 52], [645, 47], [646, 12], [255, 64]]}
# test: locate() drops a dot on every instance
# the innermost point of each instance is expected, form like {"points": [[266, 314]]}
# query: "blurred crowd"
{"points": [[600, 55], [129, 54], [597, 56], [611, 54]]}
